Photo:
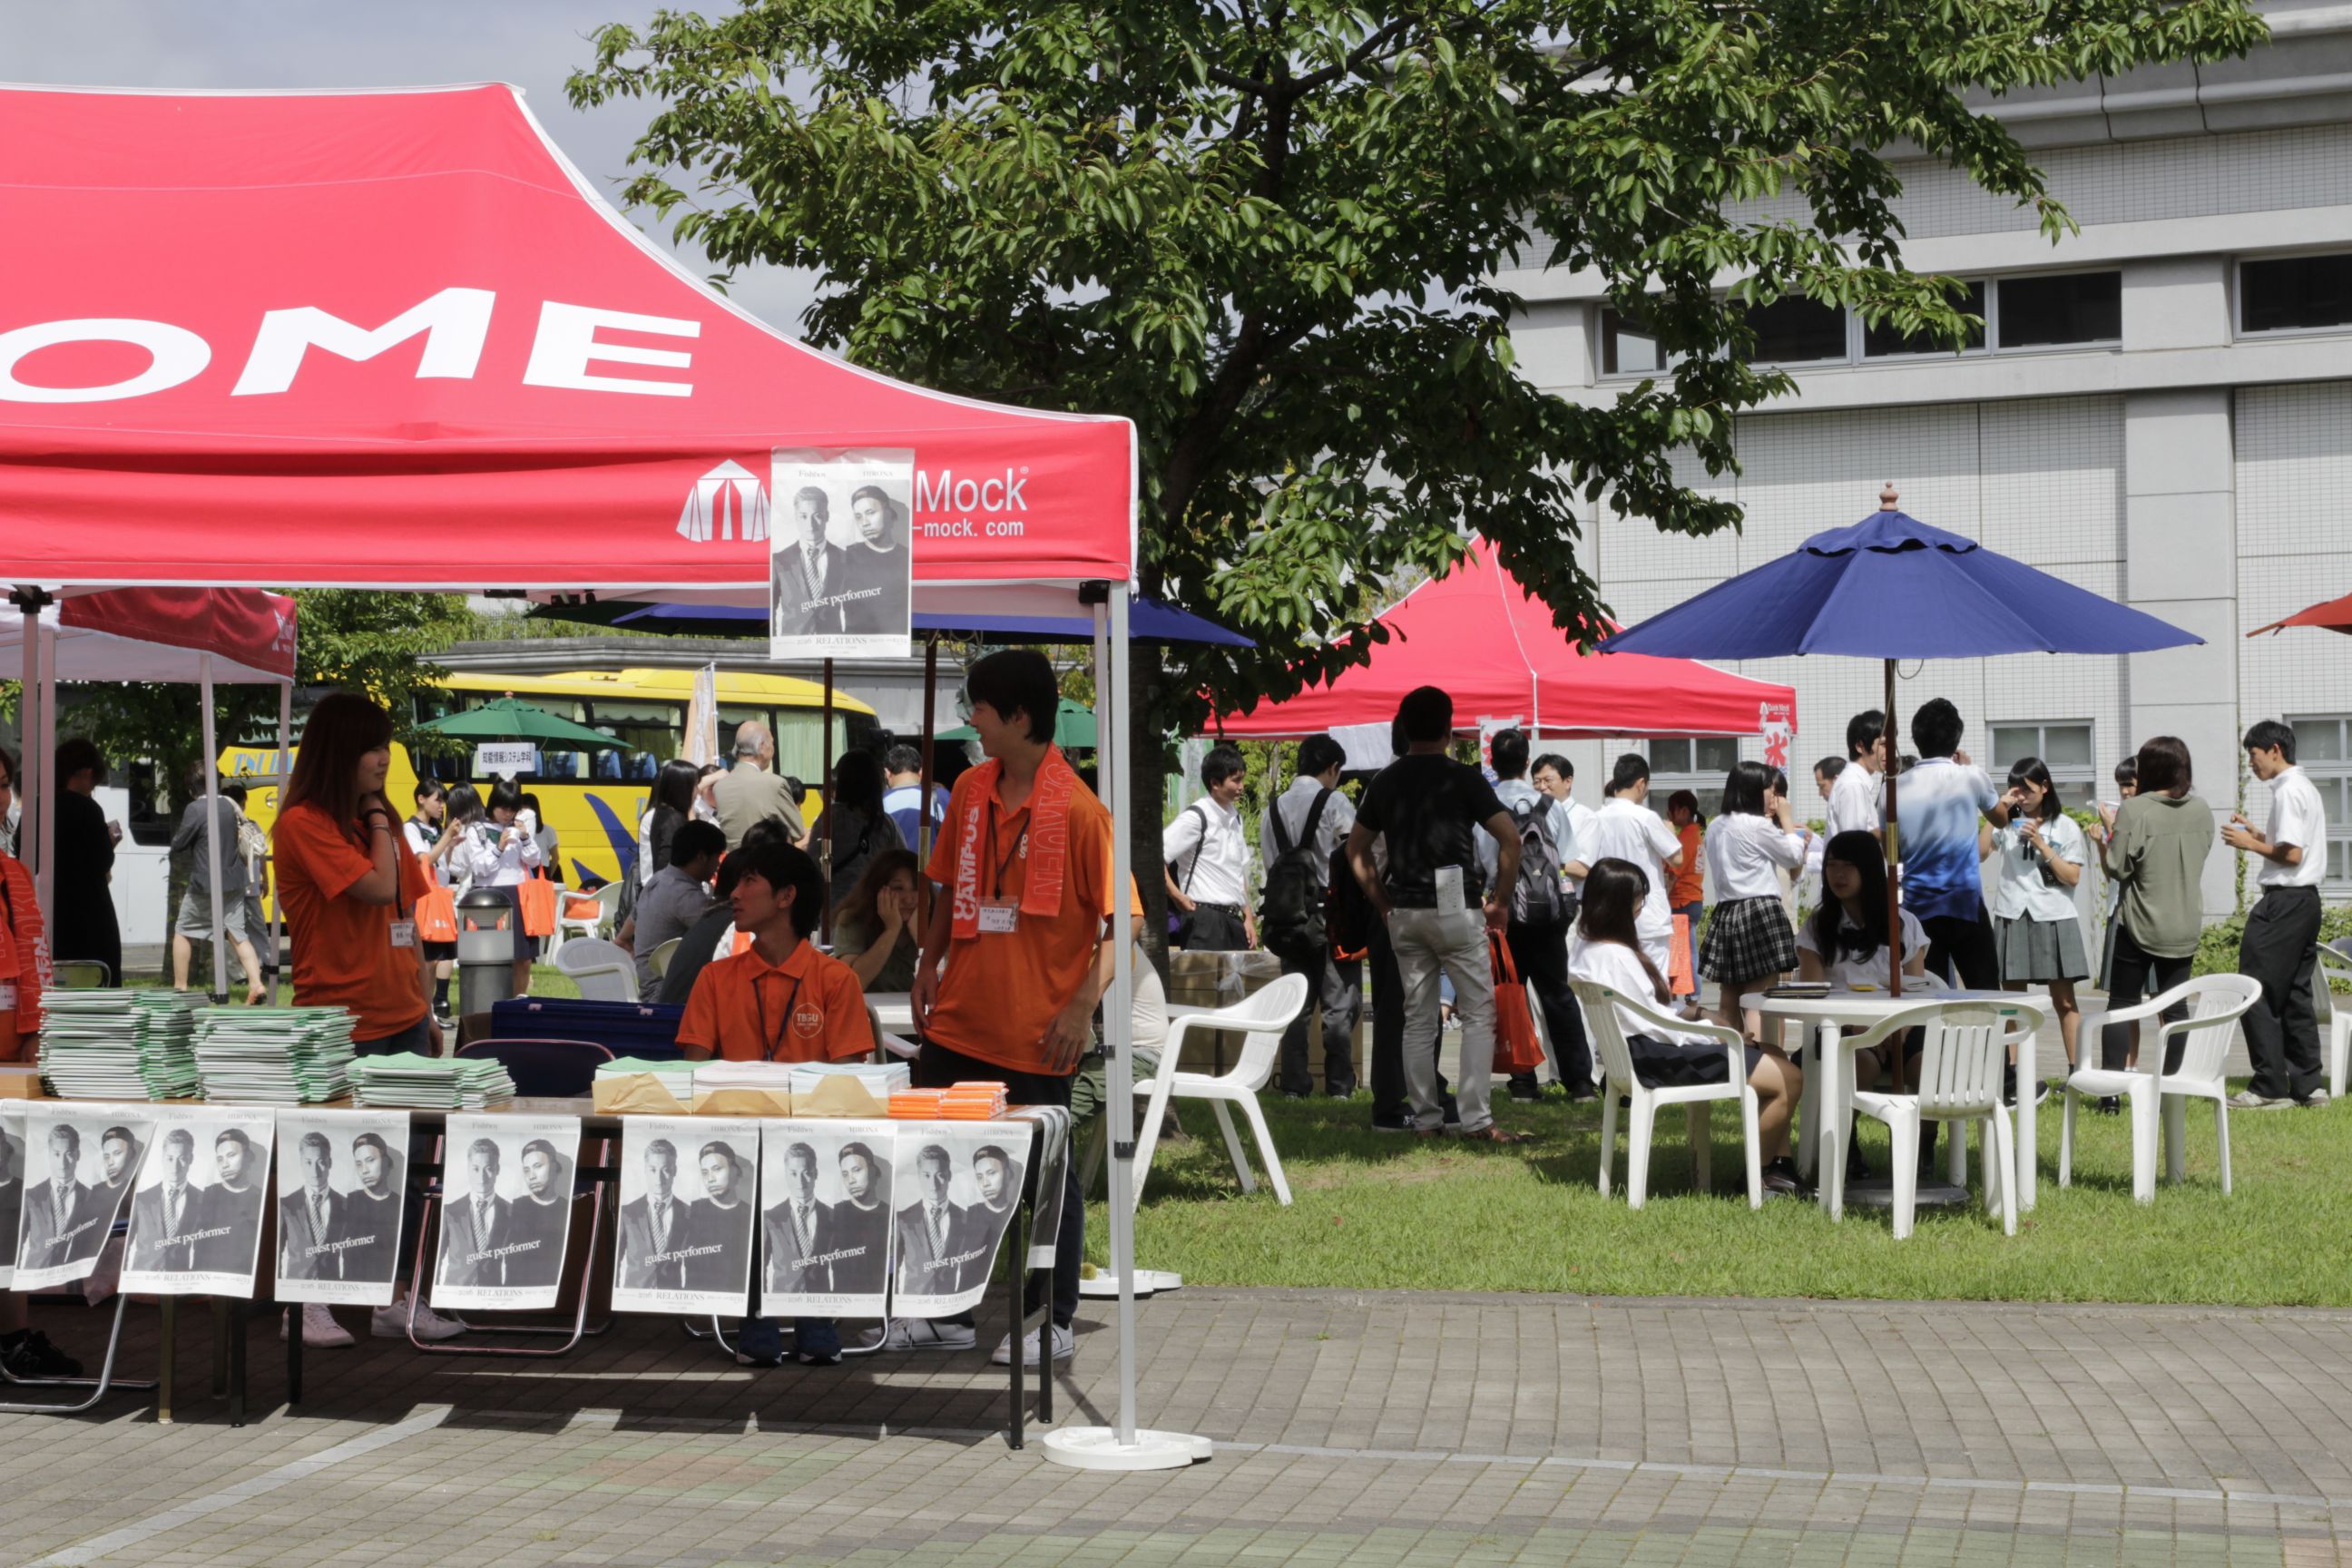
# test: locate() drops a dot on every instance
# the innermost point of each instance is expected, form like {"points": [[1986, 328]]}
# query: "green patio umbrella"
{"points": [[1074, 728], [511, 719]]}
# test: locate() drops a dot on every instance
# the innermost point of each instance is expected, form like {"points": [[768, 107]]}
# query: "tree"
{"points": [[1268, 232]]}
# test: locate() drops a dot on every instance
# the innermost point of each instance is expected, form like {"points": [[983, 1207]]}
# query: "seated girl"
{"points": [[1844, 943]]}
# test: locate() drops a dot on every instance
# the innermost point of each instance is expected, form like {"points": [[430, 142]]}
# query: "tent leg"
{"points": [[825, 821], [45, 831], [1121, 1447], [923, 795], [212, 831], [31, 783], [272, 963]]}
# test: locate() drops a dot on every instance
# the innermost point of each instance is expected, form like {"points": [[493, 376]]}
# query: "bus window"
{"points": [[654, 732]]}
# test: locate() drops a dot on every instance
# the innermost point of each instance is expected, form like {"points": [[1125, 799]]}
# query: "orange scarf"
{"points": [[1048, 835]]}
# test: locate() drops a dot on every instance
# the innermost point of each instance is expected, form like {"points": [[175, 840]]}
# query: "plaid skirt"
{"points": [[1747, 938]]}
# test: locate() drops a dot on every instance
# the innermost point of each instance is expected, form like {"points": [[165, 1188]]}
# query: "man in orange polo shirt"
{"points": [[1020, 950], [779, 1000]]}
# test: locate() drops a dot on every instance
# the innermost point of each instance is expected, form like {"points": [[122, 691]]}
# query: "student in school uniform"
{"points": [[1844, 943], [1625, 828], [2039, 859], [1687, 891], [1748, 942], [1609, 949]]}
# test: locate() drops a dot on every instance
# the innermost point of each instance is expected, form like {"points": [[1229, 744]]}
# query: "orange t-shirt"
{"points": [[1000, 992], [1689, 884], [343, 955], [809, 1008]]}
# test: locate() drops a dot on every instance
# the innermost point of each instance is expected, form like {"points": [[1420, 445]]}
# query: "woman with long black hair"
{"points": [[854, 826], [2038, 857], [1750, 943]]}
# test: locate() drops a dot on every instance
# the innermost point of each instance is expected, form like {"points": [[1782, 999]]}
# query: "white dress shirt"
{"points": [[2020, 891], [487, 864], [1845, 972], [2297, 818], [1621, 831], [1620, 968], [1516, 793], [1855, 804], [1295, 804], [1206, 845], [1745, 854]]}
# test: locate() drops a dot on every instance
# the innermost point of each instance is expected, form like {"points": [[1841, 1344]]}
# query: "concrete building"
{"points": [[2161, 413]]}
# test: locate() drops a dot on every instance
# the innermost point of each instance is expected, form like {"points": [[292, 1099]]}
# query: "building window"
{"points": [[1885, 340], [1798, 331], [2294, 293], [2064, 308], [2064, 748], [2323, 748], [1628, 348], [1697, 767]]}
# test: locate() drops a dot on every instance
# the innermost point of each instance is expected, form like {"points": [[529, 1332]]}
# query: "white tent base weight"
{"points": [[1099, 1449], [1148, 1282]]}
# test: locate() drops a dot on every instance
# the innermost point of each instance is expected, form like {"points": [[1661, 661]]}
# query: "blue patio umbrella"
{"points": [[1891, 587]]}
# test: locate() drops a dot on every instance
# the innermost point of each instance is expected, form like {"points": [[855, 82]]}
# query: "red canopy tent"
{"points": [[2336, 616], [1479, 635], [395, 340]]}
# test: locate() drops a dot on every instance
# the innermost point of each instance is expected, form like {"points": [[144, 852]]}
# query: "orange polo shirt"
{"points": [[343, 955], [809, 1008], [1000, 992]]}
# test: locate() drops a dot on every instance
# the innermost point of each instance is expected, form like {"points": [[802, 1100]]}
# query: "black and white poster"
{"points": [[80, 1162], [689, 1190], [507, 1211], [955, 1187], [11, 1185], [195, 1217], [824, 1218], [342, 1178], [840, 565]]}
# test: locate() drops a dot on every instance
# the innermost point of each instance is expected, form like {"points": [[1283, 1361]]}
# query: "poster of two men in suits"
{"points": [[840, 560], [825, 1219], [79, 1161], [956, 1185], [341, 1190], [195, 1217], [507, 1215], [688, 1193]]}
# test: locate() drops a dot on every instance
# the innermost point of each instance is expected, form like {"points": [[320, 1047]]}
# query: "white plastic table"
{"points": [[1822, 1133]]}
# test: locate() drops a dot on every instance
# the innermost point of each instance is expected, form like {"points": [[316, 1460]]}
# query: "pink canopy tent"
{"points": [[204, 636], [395, 340], [1479, 635]]}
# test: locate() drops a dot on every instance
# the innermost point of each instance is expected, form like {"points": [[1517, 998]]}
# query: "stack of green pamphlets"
{"points": [[90, 1044], [274, 1056], [167, 1042], [406, 1080]]}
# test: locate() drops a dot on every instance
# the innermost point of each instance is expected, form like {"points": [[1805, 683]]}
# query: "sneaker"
{"points": [[2247, 1100], [929, 1334], [1780, 1178], [817, 1341], [1065, 1345], [1529, 1091], [27, 1353], [1401, 1123], [2109, 1105], [1338, 1091], [1583, 1091], [759, 1343], [319, 1327], [2317, 1099], [393, 1323]]}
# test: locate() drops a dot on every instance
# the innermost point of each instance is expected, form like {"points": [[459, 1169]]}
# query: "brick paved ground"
{"points": [[1375, 1429]]}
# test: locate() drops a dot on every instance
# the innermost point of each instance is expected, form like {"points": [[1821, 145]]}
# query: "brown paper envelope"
{"points": [[837, 1094], [743, 1102], [20, 1082], [636, 1093]]}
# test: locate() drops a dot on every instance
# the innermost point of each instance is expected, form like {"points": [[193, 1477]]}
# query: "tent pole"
{"points": [[825, 821], [46, 832], [212, 830], [923, 793], [30, 786], [272, 962]]}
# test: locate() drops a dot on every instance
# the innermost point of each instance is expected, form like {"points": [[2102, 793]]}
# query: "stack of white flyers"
{"points": [[90, 1044], [625, 1067], [79, 1164], [686, 1212], [507, 1212], [195, 1219], [274, 1056], [880, 1077], [341, 1178], [408, 1080], [774, 1077]]}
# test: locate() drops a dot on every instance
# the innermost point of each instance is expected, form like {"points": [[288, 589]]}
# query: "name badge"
{"points": [[1449, 891], [998, 916], [404, 933], [7, 998]]}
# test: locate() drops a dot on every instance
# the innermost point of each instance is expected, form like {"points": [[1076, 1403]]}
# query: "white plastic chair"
{"points": [[602, 970], [2335, 964], [1965, 1048], [1616, 1058], [2220, 1000], [1264, 1014], [608, 904], [668, 950]]}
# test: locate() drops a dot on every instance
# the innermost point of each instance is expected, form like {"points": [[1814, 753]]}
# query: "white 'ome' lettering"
{"points": [[454, 322], [948, 493]]}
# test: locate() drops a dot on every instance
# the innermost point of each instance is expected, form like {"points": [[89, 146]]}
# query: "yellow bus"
{"points": [[594, 800]]}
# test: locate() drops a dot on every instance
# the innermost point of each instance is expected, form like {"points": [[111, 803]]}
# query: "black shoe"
{"points": [[1296, 1093], [1397, 1122], [28, 1353], [1339, 1091], [2108, 1105], [1857, 1169], [1780, 1178], [1580, 1093], [1525, 1092]]}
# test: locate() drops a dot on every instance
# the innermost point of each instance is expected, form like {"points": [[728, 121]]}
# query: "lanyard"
{"points": [[996, 884], [770, 1043]]}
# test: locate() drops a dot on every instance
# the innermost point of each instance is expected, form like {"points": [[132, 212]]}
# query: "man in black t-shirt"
{"points": [[1426, 809]]}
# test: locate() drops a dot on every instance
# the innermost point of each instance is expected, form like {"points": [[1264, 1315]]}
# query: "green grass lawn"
{"points": [[1382, 1211]]}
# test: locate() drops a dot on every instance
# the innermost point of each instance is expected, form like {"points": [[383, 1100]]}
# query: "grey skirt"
{"points": [[2041, 949]]}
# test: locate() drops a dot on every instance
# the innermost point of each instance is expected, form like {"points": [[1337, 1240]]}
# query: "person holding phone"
{"points": [[2039, 855], [499, 852]]}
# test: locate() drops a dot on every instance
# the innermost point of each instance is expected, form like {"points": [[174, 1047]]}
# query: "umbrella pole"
{"points": [[1894, 891], [825, 821]]}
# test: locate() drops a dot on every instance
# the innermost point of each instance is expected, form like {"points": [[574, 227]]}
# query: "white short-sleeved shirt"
{"points": [[2297, 818], [1855, 804], [2020, 890], [1211, 857], [1620, 968], [1870, 969], [413, 833], [486, 861], [1296, 804], [1621, 830], [1745, 854]]}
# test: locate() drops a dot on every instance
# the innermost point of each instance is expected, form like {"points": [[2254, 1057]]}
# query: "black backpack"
{"points": [[1537, 898], [1291, 918]]}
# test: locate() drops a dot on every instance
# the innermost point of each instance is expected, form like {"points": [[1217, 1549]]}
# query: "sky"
{"points": [[533, 44]]}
